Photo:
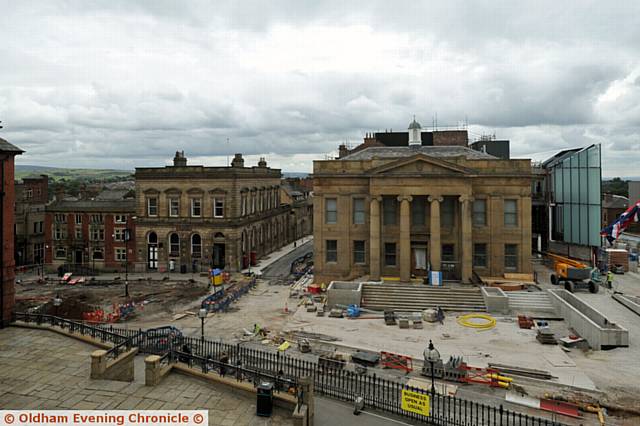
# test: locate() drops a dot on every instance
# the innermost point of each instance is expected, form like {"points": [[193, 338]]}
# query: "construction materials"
{"points": [[336, 313], [403, 323], [304, 346], [389, 318], [525, 322], [368, 359], [417, 324], [416, 298], [521, 371], [546, 336], [396, 361], [466, 321], [320, 311], [571, 273]]}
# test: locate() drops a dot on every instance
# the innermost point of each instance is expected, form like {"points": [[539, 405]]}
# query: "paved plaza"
{"points": [[42, 370]]}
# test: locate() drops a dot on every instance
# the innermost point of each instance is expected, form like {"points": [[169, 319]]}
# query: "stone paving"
{"points": [[42, 370]]}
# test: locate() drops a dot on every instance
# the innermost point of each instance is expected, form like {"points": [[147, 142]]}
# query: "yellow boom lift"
{"points": [[572, 273]]}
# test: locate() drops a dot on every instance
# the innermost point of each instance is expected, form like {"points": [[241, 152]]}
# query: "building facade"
{"points": [[7, 237], [90, 235], [195, 217], [32, 196], [401, 210]]}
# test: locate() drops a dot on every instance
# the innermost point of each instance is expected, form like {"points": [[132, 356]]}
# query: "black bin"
{"points": [[264, 403], [183, 269]]}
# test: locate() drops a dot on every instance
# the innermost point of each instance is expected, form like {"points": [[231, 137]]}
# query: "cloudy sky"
{"points": [[123, 83]]}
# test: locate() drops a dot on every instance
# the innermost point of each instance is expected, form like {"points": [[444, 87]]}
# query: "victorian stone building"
{"points": [[195, 217], [32, 196], [404, 203]]}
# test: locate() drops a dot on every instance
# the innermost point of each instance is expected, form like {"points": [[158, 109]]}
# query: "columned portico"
{"points": [[466, 241], [405, 237], [374, 239], [435, 245]]}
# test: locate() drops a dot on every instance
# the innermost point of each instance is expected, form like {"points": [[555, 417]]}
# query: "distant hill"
{"points": [[294, 175], [59, 173]]}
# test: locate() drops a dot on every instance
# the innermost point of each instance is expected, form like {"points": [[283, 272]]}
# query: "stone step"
{"points": [[528, 301], [401, 298]]}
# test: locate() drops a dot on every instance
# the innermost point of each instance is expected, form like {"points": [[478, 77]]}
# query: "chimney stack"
{"points": [[262, 162], [179, 160], [237, 161]]}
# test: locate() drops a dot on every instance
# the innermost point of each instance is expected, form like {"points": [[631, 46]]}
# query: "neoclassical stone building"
{"points": [[397, 209], [195, 216]]}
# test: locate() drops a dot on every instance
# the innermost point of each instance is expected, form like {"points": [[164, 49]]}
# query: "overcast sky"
{"points": [[120, 84]]}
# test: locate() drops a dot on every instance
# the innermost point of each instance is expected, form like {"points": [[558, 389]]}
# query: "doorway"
{"points": [[217, 257], [419, 260], [77, 257], [152, 251]]}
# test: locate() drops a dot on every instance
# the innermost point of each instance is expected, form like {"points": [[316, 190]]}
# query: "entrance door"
{"points": [[77, 259], [152, 255], [419, 261], [218, 255]]}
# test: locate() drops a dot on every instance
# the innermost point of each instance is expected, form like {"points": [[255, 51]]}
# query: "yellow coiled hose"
{"points": [[464, 321]]}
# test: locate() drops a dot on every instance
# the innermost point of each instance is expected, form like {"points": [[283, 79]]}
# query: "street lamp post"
{"points": [[126, 262], [202, 314], [57, 301], [432, 355]]}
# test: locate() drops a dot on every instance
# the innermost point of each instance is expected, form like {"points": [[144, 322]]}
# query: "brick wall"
{"points": [[8, 289], [450, 138]]}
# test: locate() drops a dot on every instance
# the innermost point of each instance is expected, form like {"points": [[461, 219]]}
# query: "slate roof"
{"points": [[431, 151], [7, 147], [93, 206]]}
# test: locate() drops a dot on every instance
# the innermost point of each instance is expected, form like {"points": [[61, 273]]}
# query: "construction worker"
{"points": [[609, 279]]}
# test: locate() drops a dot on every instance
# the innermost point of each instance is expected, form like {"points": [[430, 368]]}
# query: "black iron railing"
{"points": [[329, 379]]}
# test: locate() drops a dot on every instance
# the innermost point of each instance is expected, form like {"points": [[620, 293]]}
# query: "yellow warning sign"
{"points": [[415, 402]]}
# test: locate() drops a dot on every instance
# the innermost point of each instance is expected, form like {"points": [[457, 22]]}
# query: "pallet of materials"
{"points": [[618, 257]]}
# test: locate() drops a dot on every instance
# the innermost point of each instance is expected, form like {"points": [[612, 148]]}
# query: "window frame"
{"points": [[78, 219], [58, 250], [448, 257], [511, 214], [388, 254], [475, 213], [334, 251], [359, 217], [476, 255], [194, 207], [217, 200], [195, 253], [173, 253], [120, 218], [362, 251], [330, 213], [153, 206], [387, 203], [513, 256], [120, 254]]}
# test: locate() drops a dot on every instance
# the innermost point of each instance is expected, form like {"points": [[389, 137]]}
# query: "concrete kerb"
{"points": [[588, 322], [344, 293], [85, 339], [632, 304]]}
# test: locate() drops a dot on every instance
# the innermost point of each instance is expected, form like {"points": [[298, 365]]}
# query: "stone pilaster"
{"points": [[405, 237], [466, 238], [435, 244], [374, 239]]}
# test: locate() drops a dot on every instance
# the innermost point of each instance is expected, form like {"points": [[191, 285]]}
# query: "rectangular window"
{"points": [[332, 251], [480, 255], [331, 211], [511, 257], [358, 252], [41, 227], [61, 253], [78, 219], [35, 227], [120, 218], [78, 233], [511, 212], [196, 207], [174, 207], [389, 210], [448, 211], [60, 218], [218, 207], [390, 254], [448, 253], [38, 252], [97, 233], [152, 206], [418, 210], [121, 254], [98, 254], [96, 218], [358, 211], [58, 233], [480, 212], [118, 234]]}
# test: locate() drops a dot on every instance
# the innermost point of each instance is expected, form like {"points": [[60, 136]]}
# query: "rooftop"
{"points": [[97, 206], [431, 151], [7, 147]]}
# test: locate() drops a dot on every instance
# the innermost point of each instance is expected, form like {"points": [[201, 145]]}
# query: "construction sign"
{"points": [[415, 402]]}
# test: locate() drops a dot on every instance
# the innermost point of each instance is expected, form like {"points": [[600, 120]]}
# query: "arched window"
{"points": [[218, 235], [152, 238], [196, 245], [174, 245]]}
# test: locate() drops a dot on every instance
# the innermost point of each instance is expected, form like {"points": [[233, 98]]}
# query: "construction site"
{"points": [[531, 345]]}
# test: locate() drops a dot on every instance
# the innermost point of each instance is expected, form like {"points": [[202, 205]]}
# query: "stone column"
{"points": [[405, 237], [374, 239], [466, 238], [435, 246]]}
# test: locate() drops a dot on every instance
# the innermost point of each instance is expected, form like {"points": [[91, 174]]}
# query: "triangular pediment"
{"points": [[420, 164]]}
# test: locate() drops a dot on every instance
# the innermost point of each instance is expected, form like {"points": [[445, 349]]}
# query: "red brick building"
{"points": [[86, 235], [7, 200]]}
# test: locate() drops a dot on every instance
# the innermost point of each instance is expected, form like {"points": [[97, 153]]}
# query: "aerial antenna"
{"points": [[227, 152]]}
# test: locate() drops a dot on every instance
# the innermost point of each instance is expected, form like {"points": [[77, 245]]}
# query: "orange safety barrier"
{"points": [[396, 361]]}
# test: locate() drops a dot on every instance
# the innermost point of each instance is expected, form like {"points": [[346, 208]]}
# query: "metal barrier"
{"points": [[248, 364]]}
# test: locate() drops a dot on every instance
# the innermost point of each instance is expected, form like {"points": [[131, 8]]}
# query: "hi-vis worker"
{"points": [[609, 279]]}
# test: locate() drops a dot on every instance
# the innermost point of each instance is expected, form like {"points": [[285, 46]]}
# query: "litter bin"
{"points": [[183, 269], [264, 403]]}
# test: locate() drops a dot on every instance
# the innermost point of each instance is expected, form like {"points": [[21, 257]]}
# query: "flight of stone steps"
{"points": [[416, 297], [527, 302]]}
